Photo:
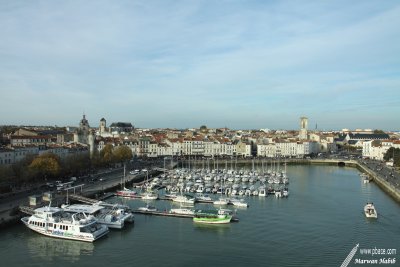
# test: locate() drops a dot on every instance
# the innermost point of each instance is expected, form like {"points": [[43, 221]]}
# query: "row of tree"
{"points": [[49, 166]]}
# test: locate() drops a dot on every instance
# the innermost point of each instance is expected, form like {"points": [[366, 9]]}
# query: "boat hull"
{"points": [[64, 235]]}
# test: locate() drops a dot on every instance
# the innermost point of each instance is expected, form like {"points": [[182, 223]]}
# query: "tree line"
{"points": [[48, 166]]}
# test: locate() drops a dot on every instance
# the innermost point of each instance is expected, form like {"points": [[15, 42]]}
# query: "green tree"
{"points": [[122, 153], [46, 165], [393, 153], [376, 131], [106, 154]]}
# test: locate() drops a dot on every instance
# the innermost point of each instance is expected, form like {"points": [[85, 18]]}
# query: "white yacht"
{"points": [[238, 202], [221, 201], [262, 192], [113, 218], [54, 222], [202, 197], [182, 211], [147, 208], [149, 196], [184, 199], [370, 211]]}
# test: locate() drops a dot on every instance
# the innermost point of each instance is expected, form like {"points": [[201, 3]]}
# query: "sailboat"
{"points": [[148, 194], [125, 192]]}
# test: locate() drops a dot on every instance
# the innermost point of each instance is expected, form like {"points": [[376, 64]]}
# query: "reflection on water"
{"points": [[219, 228], [50, 249]]}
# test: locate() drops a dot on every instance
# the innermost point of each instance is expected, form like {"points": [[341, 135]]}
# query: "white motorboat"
{"points": [[238, 202], [112, 217], [262, 192], [370, 211], [182, 211], [221, 201], [278, 193], [202, 197], [147, 208], [127, 193], [285, 192], [149, 196], [184, 199], [54, 222]]}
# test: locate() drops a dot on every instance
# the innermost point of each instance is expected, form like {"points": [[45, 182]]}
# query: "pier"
{"points": [[168, 214]]}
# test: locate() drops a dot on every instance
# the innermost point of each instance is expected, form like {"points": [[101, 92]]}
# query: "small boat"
{"points": [[127, 193], [187, 199], [262, 192], [285, 192], [202, 197], [149, 196], [370, 211], [238, 202], [147, 208], [182, 211], [112, 217], [221, 201], [54, 222], [211, 217]]}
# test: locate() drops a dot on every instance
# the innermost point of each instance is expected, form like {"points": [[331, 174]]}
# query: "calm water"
{"points": [[317, 225]]}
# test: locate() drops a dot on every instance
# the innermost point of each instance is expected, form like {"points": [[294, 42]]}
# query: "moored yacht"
{"points": [[54, 222], [184, 199], [112, 217], [127, 193], [183, 211], [211, 217], [238, 202]]}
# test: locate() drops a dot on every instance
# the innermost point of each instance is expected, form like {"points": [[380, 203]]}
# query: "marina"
{"points": [[317, 197]]}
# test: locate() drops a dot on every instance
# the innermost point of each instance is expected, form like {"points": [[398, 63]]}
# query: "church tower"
{"points": [[102, 127], [303, 128]]}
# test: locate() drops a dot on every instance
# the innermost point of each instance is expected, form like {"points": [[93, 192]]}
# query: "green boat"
{"points": [[211, 217]]}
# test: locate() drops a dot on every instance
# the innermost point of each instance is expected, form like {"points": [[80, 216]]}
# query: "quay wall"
{"points": [[11, 215]]}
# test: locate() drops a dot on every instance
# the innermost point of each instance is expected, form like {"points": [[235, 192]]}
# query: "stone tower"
{"points": [[81, 134], [303, 128], [102, 127]]}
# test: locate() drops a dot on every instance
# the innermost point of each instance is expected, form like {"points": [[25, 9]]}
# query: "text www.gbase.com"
{"points": [[378, 251]]}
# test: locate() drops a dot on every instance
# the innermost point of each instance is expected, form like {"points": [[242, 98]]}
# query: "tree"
{"points": [[106, 154], [393, 153], [376, 131], [122, 153], [46, 165]]}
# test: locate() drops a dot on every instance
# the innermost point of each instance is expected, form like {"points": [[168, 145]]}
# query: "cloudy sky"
{"points": [[240, 64]]}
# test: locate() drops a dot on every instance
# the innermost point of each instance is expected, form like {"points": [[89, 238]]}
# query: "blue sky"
{"points": [[239, 64]]}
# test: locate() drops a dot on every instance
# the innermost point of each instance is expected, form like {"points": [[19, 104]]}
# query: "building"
{"points": [[303, 128], [85, 135], [121, 127]]}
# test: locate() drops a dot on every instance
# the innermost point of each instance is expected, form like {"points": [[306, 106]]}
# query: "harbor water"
{"points": [[317, 225]]}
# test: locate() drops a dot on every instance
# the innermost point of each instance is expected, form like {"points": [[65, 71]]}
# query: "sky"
{"points": [[182, 64]]}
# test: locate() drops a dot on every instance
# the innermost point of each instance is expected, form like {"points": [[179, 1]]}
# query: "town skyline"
{"points": [[183, 64]]}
